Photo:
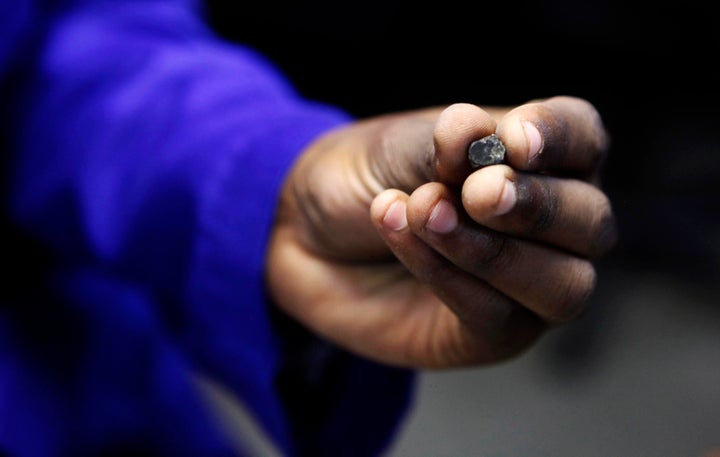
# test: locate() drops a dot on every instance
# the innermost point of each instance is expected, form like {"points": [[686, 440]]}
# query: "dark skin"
{"points": [[389, 244]]}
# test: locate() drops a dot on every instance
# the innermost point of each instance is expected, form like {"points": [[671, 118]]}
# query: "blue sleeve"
{"points": [[150, 150]]}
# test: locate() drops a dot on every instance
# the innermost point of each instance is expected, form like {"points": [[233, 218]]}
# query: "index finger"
{"points": [[560, 135]]}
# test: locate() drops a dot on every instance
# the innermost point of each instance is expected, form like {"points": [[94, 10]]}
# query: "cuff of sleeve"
{"points": [[339, 403]]}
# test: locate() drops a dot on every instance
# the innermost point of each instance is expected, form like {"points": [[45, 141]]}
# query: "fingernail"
{"points": [[533, 138], [508, 198], [395, 217], [443, 218]]}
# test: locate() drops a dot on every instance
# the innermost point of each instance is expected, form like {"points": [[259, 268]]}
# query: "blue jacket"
{"points": [[143, 159]]}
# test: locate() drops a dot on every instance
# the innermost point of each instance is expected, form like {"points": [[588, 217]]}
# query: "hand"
{"points": [[387, 243]]}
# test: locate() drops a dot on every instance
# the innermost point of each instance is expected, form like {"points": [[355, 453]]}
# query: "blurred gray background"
{"points": [[638, 375]]}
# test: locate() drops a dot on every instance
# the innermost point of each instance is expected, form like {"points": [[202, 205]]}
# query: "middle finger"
{"points": [[551, 282], [567, 213]]}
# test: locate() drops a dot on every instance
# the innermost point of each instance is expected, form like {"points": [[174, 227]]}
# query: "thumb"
{"points": [[457, 126], [428, 145]]}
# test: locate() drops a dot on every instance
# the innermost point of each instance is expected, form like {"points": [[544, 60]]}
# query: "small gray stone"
{"points": [[486, 151]]}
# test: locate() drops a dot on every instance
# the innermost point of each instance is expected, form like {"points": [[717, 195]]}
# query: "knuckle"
{"points": [[604, 229], [575, 294], [538, 205], [491, 251]]}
